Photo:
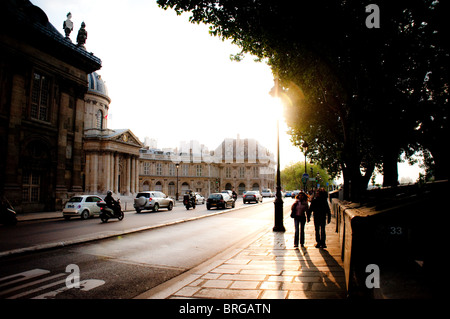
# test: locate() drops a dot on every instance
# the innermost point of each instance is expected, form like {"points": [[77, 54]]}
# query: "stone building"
{"points": [[54, 137], [236, 164], [111, 156], [43, 81]]}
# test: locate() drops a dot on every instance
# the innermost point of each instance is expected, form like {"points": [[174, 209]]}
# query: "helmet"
{"points": [[109, 193]]}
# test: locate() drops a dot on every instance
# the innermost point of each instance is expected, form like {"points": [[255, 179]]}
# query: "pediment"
{"points": [[128, 137]]}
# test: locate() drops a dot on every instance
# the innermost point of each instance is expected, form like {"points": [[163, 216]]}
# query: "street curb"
{"points": [[110, 234]]}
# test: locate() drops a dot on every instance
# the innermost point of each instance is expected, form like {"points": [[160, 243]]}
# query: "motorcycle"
{"points": [[7, 214], [188, 201], [107, 212]]}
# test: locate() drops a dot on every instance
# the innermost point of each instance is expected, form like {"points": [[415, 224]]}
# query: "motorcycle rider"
{"points": [[111, 202], [191, 197]]}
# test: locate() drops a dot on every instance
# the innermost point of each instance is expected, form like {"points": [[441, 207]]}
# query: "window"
{"points": [[31, 187], [199, 170], [171, 169], [158, 169], [228, 172], [241, 172], [146, 168], [255, 172], [185, 170], [99, 119], [40, 97]]}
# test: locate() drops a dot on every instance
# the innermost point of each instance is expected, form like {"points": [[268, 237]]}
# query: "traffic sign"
{"points": [[305, 178]]}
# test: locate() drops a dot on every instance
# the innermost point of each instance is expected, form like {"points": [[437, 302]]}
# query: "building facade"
{"points": [[54, 136], [43, 81], [236, 164], [111, 157]]}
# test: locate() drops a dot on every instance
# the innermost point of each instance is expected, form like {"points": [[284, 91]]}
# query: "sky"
{"points": [[171, 81]]}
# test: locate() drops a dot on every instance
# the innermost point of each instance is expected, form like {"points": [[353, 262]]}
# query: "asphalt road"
{"points": [[48, 232], [128, 265]]}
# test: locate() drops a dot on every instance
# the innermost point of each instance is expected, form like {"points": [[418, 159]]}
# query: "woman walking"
{"points": [[298, 212]]}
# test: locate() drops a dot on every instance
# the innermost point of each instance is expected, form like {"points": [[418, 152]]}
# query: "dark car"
{"points": [[220, 200], [252, 196]]}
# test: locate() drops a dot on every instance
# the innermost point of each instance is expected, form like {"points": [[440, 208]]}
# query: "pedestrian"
{"points": [[298, 212], [321, 211]]}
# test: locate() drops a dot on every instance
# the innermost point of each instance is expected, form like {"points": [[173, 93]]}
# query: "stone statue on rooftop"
{"points": [[82, 36], [68, 25]]}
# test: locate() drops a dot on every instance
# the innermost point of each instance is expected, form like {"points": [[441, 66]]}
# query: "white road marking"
{"points": [[24, 276], [85, 285]]}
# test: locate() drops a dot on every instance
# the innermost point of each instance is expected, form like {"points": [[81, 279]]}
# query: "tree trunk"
{"points": [[390, 167]]}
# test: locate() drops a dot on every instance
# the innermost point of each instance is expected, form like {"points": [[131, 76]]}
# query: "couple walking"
{"points": [[301, 212]]}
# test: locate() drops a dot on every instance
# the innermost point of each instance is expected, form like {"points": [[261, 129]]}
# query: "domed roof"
{"points": [[96, 85]]}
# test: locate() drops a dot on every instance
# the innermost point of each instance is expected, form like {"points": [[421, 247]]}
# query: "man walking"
{"points": [[322, 215]]}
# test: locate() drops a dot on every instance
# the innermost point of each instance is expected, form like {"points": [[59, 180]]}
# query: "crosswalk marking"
{"points": [[85, 285], [5, 292], [18, 280], [23, 276]]}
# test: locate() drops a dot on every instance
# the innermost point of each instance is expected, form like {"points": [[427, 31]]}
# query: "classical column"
{"points": [[116, 173], [133, 175], [111, 171], [128, 176], [87, 172], [106, 172], [138, 170], [94, 172]]}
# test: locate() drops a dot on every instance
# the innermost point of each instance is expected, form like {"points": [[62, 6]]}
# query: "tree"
{"points": [[291, 176], [353, 93]]}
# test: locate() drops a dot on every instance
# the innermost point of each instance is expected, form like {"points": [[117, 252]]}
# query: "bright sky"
{"points": [[170, 80]]}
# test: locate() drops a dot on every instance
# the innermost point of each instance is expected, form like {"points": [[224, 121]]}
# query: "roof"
{"points": [[29, 23], [97, 86]]}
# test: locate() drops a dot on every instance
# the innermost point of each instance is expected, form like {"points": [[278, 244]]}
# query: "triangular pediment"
{"points": [[127, 137]]}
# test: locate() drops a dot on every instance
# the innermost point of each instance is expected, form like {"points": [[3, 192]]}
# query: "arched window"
{"points": [[99, 119]]}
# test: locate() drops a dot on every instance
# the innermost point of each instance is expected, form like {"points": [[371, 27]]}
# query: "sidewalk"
{"points": [[267, 267]]}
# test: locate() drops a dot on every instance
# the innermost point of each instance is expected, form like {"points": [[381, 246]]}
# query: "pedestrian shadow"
{"points": [[321, 275]]}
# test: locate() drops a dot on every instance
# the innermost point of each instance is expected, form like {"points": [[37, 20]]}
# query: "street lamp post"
{"points": [[305, 149], [176, 196], [278, 203]]}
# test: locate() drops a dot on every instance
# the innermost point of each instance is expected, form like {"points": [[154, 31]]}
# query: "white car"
{"points": [[83, 206], [152, 200], [199, 199], [267, 193]]}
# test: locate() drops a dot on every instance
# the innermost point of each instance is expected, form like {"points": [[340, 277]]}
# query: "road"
{"points": [[128, 265], [40, 233]]}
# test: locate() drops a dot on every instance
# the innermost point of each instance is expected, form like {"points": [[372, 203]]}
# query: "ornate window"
{"points": [[99, 119], [228, 172], [31, 187], [40, 97], [241, 172], [158, 169]]}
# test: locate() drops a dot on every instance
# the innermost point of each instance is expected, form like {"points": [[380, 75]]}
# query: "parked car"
{"points": [[288, 194], [230, 193], [252, 196], [295, 193], [152, 200], [199, 199], [220, 200], [83, 206], [267, 193]]}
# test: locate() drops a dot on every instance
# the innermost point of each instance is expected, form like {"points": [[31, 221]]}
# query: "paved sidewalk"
{"points": [[268, 268]]}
